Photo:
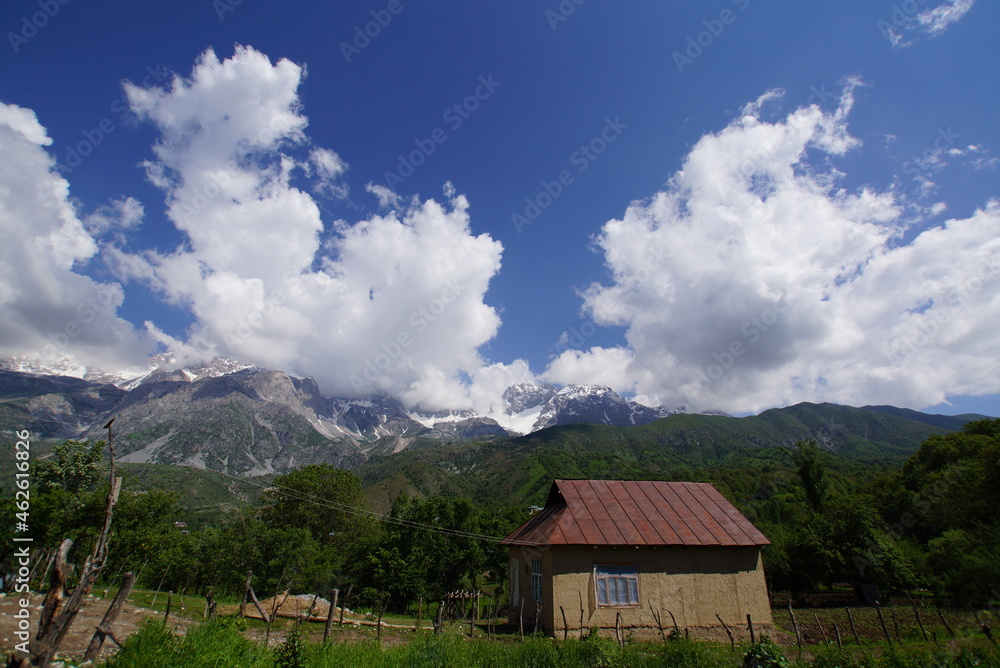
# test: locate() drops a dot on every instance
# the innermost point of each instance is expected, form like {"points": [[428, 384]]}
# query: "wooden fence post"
{"points": [[850, 619], [822, 631], [753, 637], [565, 625], [246, 594], [329, 616], [439, 624], [881, 619], [673, 620], [836, 630], [420, 607], [658, 618], [729, 633], [520, 618], [917, 613], [166, 615], [108, 620], [795, 625], [343, 605], [944, 621]]}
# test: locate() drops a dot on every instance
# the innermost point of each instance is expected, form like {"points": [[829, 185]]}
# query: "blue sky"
{"points": [[730, 205]]}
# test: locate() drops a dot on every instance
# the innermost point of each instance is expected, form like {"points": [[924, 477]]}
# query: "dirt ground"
{"points": [[78, 638]]}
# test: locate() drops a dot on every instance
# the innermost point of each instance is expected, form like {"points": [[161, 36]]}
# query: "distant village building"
{"points": [[604, 548]]}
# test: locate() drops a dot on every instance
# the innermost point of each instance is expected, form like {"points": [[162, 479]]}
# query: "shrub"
{"points": [[765, 654]]}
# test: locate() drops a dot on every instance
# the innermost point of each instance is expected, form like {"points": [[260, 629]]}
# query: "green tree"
{"points": [[812, 471], [76, 466], [327, 501]]}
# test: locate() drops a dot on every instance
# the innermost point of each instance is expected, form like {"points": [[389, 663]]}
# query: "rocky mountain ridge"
{"points": [[245, 420]]}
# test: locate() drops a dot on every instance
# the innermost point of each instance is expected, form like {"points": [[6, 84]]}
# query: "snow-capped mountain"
{"points": [[239, 418], [595, 404]]}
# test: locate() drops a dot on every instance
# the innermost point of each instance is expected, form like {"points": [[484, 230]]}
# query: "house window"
{"points": [[617, 584], [536, 580]]}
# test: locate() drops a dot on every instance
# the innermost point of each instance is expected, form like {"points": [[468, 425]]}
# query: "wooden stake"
{"points": [[753, 636], [520, 618], [822, 631], [619, 631], [658, 619], [917, 613], [850, 619], [109, 617], [420, 606], [881, 619], [329, 616], [344, 604], [565, 625], [895, 624], [732, 641], [795, 625], [166, 615], [944, 621], [580, 594], [673, 619], [836, 630], [439, 624], [381, 609], [246, 594]]}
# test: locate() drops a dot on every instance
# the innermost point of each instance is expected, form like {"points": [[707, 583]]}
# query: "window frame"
{"points": [[617, 582], [537, 581]]}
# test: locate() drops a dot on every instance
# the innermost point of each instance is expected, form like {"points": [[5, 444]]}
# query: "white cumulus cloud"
{"points": [[754, 279], [51, 312], [393, 303]]}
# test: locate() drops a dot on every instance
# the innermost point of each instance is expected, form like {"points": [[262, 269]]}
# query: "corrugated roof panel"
{"points": [[715, 534], [710, 503], [613, 494], [632, 499], [646, 490], [753, 534], [609, 529], [615, 512], [676, 513]]}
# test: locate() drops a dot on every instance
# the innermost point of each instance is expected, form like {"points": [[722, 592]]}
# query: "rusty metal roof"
{"points": [[636, 512]]}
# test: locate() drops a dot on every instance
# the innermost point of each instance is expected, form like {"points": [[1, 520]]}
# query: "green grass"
{"points": [[223, 642]]}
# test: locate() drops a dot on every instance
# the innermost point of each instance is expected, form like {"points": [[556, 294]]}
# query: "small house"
{"points": [[611, 553]]}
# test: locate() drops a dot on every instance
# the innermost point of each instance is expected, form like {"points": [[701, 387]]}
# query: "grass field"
{"points": [[230, 641]]}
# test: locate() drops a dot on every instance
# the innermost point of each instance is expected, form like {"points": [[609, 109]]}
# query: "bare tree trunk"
{"points": [[51, 635]]}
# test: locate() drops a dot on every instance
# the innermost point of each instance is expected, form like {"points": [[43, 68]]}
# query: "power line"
{"points": [[373, 514]]}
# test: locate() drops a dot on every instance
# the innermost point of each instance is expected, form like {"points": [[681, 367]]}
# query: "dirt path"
{"points": [[82, 630]]}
